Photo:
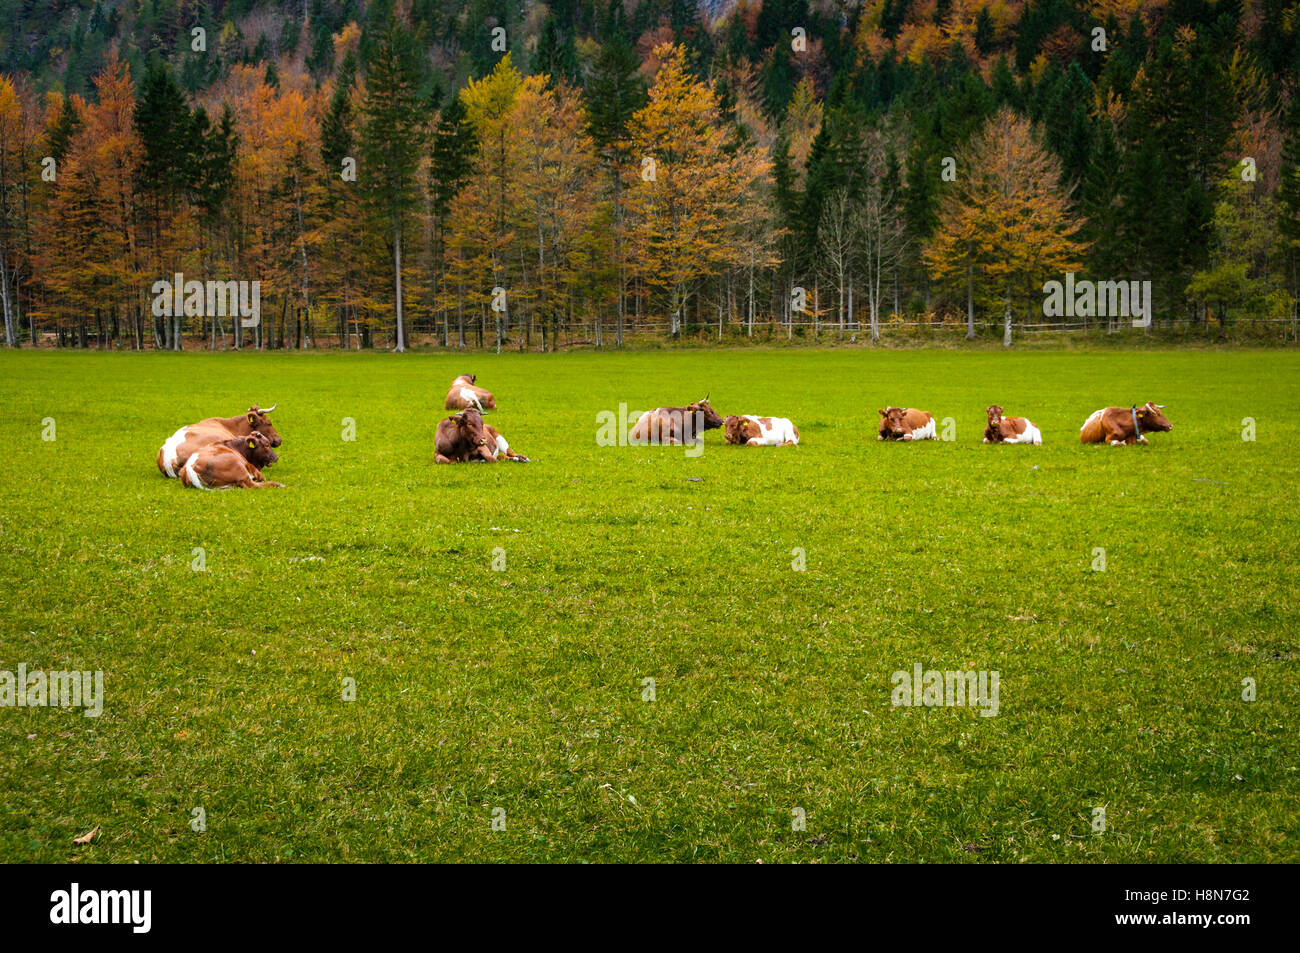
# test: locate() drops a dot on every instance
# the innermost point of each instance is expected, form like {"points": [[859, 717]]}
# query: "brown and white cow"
{"points": [[1010, 429], [746, 430], [465, 438], [193, 437], [1124, 425], [906, 423], [675, 425], [464, 394], [234, 462]]}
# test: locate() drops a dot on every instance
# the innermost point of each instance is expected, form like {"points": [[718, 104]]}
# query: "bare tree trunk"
{"points": [[970, 303], [397, 265]]}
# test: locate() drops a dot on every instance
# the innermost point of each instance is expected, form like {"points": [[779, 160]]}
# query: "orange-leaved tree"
{"points": [[1005, 224], [687, 194]]}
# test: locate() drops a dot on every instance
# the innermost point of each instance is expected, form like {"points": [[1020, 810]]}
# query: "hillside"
{"points": [[812, 166]]}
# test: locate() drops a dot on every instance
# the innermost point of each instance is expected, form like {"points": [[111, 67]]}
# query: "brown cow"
{"points": [[1124, 425], [234, 462], [1010, 429], [465, 438], [761, 431], [675, 425], [193, 437], [906, 423], [464, 394]]}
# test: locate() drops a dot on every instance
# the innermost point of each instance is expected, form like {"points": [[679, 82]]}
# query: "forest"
{"points": [[596, 172]]}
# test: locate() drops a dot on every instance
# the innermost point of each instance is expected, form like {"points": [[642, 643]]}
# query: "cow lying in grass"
{"points": [[464, 394], [1010, 429], [1124, 425], [465, 438], [906, 423], [193, 437], [752, 431], [675, 425], [234, 462]]}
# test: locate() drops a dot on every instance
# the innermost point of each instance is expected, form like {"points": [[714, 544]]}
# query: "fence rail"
{"points": [[643, 332]]}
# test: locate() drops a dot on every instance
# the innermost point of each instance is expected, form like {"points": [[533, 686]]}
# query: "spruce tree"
{"points": [[392, 142]]}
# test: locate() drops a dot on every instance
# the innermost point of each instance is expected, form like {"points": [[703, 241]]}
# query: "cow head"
{"points": [[711, 419], [256, 448], [740, 430], [995, 415], [469, 424], [1150, 418], [259, 420], [892, 426], [465, 379]]}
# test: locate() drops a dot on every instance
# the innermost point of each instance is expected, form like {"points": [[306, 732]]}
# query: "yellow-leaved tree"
{"points": [[480, 226], [554, 194], [1005, 223], [687, 193]]}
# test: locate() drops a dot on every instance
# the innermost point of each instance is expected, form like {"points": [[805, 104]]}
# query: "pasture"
{"points": [[523, 688]]}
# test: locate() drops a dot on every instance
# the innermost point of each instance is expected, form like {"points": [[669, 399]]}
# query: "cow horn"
{"points": [[1159, 406], [270, 409]]}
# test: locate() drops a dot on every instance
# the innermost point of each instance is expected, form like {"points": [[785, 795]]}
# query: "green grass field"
{"points": [[522, 689]]}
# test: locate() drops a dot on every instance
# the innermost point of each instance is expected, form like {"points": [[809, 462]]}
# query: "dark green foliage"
{"points": [[451, 156], [614, 89], [556, 55]]}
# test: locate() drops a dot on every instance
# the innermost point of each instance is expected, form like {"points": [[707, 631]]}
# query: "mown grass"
{"points": [[522, 689]]}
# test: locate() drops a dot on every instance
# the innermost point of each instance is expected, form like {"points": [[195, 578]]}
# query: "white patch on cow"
{"points": [[502, 446], [924, 433], [633, 437], [469, 397], [1095, 415], [1031, 435], [776, 431], [169, 452], [193, 474]]}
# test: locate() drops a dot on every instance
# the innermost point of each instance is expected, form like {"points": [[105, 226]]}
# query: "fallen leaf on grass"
{"points": [[86, 838]]}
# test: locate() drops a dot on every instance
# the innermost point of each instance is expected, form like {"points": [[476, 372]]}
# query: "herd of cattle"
{"points": [[223, 452]]}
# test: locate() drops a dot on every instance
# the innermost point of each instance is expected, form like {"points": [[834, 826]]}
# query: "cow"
{"points": [[234, 462], [752, 431], [1010, 429], [906, 423], [1124, 425], [464, 394], [675, 425], [193, 437], [465, 438]]}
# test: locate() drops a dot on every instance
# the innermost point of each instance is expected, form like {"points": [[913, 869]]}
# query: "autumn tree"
{"points": [[1005, 223], [554, 156], [94, 263], [15, 158], [341, 245], [684, 197], [482, 230]]}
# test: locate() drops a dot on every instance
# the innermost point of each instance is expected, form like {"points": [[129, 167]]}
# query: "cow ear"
{"points": [[882, 413], [252, 445], [252, 417]]}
